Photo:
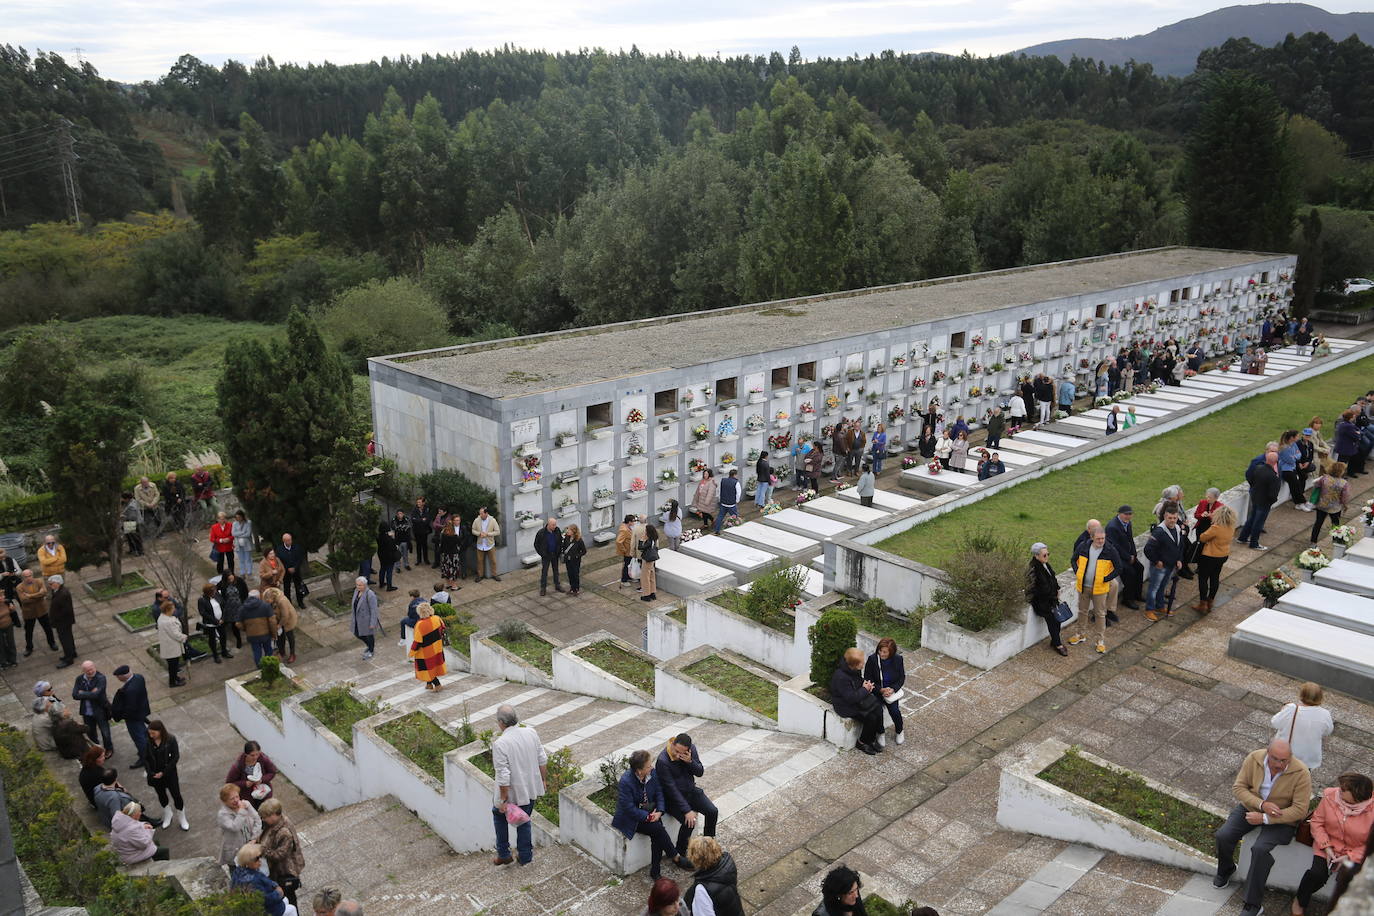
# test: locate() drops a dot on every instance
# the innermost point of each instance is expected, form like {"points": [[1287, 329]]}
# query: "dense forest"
{"points": [[412, 202]]}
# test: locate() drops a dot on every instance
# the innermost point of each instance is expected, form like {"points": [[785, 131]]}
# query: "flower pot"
{"points": [[1306, 574], [529, 486], [528, 523], [1270, 602], [1337, 550]]}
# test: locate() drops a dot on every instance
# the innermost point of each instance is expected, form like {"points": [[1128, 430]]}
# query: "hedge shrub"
{"points": [[835, 631], [70, 867], [451, 490]]}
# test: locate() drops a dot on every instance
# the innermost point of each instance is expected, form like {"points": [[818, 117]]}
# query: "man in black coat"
{"points": [[1044, 397], [548, 543], [678, 767], [1265, 483], [852, 697], [130, 703], [1164, 551], [63, 617], [89, 689], [294, 561], [1121, 536], [421, 526]]}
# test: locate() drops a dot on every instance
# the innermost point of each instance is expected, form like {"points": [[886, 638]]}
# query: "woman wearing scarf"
{"points": [[1340, 833]]}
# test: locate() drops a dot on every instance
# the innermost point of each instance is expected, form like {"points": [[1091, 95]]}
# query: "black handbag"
{"points": [[1062, 612]]}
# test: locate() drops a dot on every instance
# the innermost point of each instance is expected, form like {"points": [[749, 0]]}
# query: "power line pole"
{"points": [[68, 157]]}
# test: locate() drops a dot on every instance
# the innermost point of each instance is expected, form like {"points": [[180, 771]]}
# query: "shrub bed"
{"points": [[338, 710], [1129, 795], [104, 589], [531, 648], [874, 616], [629, 668], [736, 683], [138, 618], [271, 695], [70, 867], [420, 740]]}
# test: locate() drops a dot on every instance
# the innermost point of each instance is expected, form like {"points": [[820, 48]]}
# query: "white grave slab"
{"points": [[1015, 459], [1182, 396], [883, 499], [1096, 424], [1157, 403], [1205, 385], [1347, 576], [1326, 605], [1099, 417], [1334, 657], [1057, 439], [1146, 410], [1362, 551], [806, 524], [1231, 379], [814, 585], [1021, 444], [744, 561], [846, 511], [683, 575], [922, 481], [787, 544]]}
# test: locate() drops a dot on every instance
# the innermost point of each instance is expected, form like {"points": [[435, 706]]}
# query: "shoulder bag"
{"points": [[1304, 834], [1062, 612]]}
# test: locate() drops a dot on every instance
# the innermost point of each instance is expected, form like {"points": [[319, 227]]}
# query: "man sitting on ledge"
{"points": [[1273, 789]]}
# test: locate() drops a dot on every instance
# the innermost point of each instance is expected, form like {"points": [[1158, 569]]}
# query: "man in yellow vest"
{"points": [[1096, 567]]}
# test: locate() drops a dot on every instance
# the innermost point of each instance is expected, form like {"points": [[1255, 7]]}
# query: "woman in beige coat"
{"points": [[171, 643], [287, 618], [238, 824]]}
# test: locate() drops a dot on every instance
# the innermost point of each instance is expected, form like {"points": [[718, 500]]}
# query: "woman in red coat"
{"points": [[222, 541]]}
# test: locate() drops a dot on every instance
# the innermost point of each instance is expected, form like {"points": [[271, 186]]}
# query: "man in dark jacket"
{"points": [[1164, 551], [840, 442], [1121, 536], [421, 522], [678, 767], [852, 697], [1044, 397], [89, 689], [729, 498], [295, 562], [259, 625], [130, 704], [1265, 483], [63, 617], [548, 543]]}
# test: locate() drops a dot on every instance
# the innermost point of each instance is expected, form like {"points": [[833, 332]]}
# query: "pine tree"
{"points": [[1240, 179], [294, 439], [1308, 276]]}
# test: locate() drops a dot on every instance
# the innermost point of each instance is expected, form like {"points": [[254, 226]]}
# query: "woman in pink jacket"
{"points": [[1340, 832], [131, 838]]}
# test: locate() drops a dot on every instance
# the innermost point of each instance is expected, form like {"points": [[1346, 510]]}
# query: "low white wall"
{"points": [[710, 624], [577, 675], [253, 720], [316, 760], [666, 637], [492, 660], [801, 713], [985, 649], [679, 692], [1029, 804], [583, 823]]}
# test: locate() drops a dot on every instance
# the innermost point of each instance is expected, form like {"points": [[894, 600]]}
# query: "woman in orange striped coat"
{"points": [[427, 647]]}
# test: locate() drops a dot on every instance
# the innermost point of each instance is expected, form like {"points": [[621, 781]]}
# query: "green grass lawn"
{"points": [[339, 711], [529, 647], [104, 589], [420, 740], [737, 683], [629, 668], [272, 696], [1211, 452]]}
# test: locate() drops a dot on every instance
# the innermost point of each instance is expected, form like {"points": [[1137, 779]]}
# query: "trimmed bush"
{"points": [[986, 582], [835, 631], [448, 489]]}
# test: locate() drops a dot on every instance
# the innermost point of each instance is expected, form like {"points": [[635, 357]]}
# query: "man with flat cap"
{"points": [[130, 703], [1121, 536]]}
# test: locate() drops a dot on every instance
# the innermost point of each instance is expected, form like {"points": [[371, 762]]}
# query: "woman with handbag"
{"points": [[574, 549], [1216, 531], [1332, 494], [887, 671], [1042, 591], [281, 849], [1340, 833], [1304, 724], [648, 558], [706, 499]]}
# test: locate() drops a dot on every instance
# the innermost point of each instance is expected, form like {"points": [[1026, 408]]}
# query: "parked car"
{"points": [[1356, 285]]}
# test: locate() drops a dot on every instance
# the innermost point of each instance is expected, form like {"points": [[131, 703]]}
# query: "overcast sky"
{"points": [[133, 40]]}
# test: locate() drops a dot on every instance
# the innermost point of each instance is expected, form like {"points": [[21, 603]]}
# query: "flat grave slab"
{"points": [[922, 481], [1056, 439], [1347, 576], [1235, 377], [1096, 424], [1327, 605], [1099, 416], [883, 499], [1015, 459], [806, 524], [1145, 410], [1362, 551], [1028, 447], [1158, 403], [786, 544], [684, 575], [1203, 384], [845, 511], [814, 585], [1332, 656], [1181, 396], [744, 561]]}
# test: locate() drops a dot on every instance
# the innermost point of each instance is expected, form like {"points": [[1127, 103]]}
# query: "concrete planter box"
{"points": [[317, 760], [475, 793], [583, 823], [1029, 804], [577, 675], [709, 624], [664, 637], [677, 691], [254, 720], [490, 659], [802, 713], [127, 589], [987, 649]]}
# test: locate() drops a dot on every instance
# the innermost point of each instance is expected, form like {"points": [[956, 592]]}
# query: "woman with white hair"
{"points": [[1042, 591], [247, 874], [131, 838], [366, 623]]}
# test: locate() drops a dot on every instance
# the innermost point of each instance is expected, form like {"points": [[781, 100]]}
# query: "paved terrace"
{"points": [[560, 360]]}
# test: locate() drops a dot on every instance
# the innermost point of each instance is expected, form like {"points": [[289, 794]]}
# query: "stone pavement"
{"points": [[921, 817]]}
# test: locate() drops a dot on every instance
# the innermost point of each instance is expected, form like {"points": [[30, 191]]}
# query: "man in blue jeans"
{"points": [[521, 767], [1164, 552], [729, 498], [1265, 484]]}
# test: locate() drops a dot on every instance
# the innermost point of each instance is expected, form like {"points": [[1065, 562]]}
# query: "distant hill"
{"points": [[1173, 49]]}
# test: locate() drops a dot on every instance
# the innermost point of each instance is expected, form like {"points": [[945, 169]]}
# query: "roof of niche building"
{"points": [[527, 365]]}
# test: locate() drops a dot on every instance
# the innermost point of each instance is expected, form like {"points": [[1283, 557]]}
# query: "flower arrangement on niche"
{"points": [[701, 432], [726, 427], [529, 469], [754, 423], [634, 416], [668, 475], [637, 485], [780, 441]]}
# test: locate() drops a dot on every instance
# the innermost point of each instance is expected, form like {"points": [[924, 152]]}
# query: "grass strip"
{"points": [[138, 617], [679, 614], [605, 798], [738, 684], [338, 710], [632, 669], [104, 589], [1128, 795], [738, 603], [420, 740], [1212, 452], [531, 648], [873, 617], [272, 696]]}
